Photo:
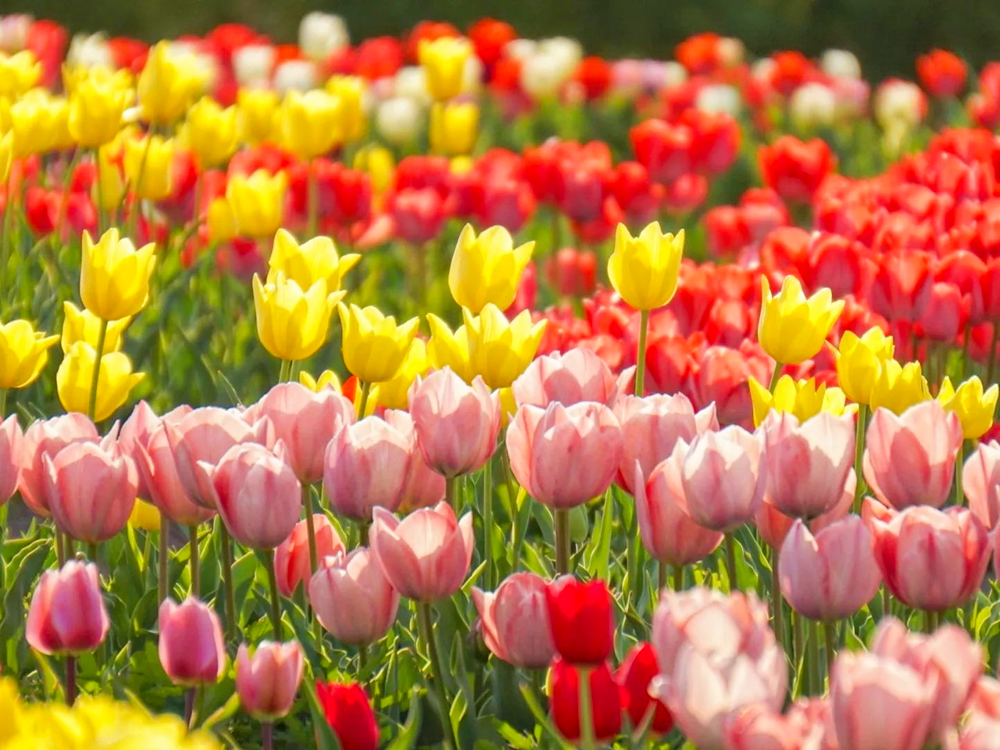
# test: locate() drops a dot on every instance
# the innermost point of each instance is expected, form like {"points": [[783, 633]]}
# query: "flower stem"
{"points": [[225, 542], [561, 517], [189, 696], [451, 491], [285, 371], [57, 538], [859, 453], [777, 609], [959, 465], [96, 375], [663, 571], [163, 560], [70, 680], [3, 402], [640, 371], [731, 561], [830, 630], [307, 501], [586, 709], [363, 401], [775, 376], [426, 630], [678, 578], [275, 601], [798, 653], [195, 562], [815, 675], [488, 522]]}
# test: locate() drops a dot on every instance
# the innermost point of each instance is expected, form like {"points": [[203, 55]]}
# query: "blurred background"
{"points": [[886, 35]]}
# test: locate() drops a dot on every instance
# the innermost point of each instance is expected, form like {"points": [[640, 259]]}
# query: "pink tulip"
{"points": [[48, 436], [268, 681], [10, 457], [136, 432], [806, 464], [514, 621], [831, 575], [723, 478], [67, 613], [305, 421], [578, 375], [424, 486], [981, 483], [564, 456], [878, 703], [90, 490], [257, 494], [652, 426], [192, 650], [667, 531], [291, 557], [981, 727], [931, 559], [457, 424], [910, 459], [367, 464], [159, 477], [425, 556], [773, 525], [759, 728], [353, 598]]}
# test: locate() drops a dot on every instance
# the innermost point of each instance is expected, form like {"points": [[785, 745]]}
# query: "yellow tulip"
{"points": [[898, 387], [310, 122], [499, 349], [115, 381], [18, 73], [149, 165], [23, 353], [394, 394], [114, 279], [292, 324], [644, 269], [802, 398], [168, 84], [860, 360], [307, 263], [96, 107], [121, 79], [443, 61], [975, 409], [211, 131], [83, 325], [792, 328], [326, 379], [258, 110], [6, 156], [109, 186], [487, 268], [258, 202], [144, 516], [447, 348], [350, 90], [221, 221], [39, 123], [377, 163], [374, 347], [454, 128]]}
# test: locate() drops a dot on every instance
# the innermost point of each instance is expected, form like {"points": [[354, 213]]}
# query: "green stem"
{"points": [[451, 491], [561, 519], [830, 630], [363, 527], [92, 552], [163, 558], [814, 667], [425, 627], [731, 561], [307, 501], [488, 522], [859, 453], [286, 368], [267, 736], [275, 601], [3, 402], [225, 543], [777, 608], [100, 192], [57, 538], [96, 375], [362, 658], [678, 578], [70, 680], [959, 464], [640, 371], [586, 709], [932, 620], [5, 237], [663, 572], [798, 652], [363, 401], [194, 561], [775, 376]]}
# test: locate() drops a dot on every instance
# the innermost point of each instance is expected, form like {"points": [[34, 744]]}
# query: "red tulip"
{"points": [[942, 73], [514, 621], [564, 700], [418, 214], [291, 557], [901, 289], [352, 597], [633, 677], [581, 618], [48, 436], [795, 169], [67, 613], [192, 650], [666, 150], [350, 715], [268, 681]]}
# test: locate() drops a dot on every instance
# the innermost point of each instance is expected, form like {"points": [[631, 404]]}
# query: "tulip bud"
{"points": [[352, 597], [486, 268], [374, 347], [67, 613], [321, 35], [257, 202], [514, 621], [292, 322], [268, 681], [23, 353], [349, 714], [581, 619], [292, 564], [114, 280], [115, 380], [192, 650]]}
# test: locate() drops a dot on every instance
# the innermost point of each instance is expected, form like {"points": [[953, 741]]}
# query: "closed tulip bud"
{"points": [[258, 202], [576, 376], [19, 73], [169, 82], [192, 650], [350, 715], [443, 61], [67, 613], [447, 348], [723, 478], [487, 268], [898, 387], [83, 325], [500, 349], [633, 678], [292, 323], [454, 128], [803, 399], [212, 131], [793, 328], [974, 408], [309, 123], [644, 269], [352, 597], [149, 165], [23, 353], [11, 439], [268, 681], [374, 347], [292, 564], [425, 556], [351, 91], [981, 483], [514, 621], [564, 701], [48, 436], [258, 110], [307, 263], [114, 280], [860, 361], [114, 382], [910, 459], [581, 620], [96, 107], [424, 486]]}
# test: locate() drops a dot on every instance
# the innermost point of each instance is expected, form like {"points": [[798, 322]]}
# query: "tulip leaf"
{"points": [[407, 736], [541, 718], [224, 712], [596, 557]]}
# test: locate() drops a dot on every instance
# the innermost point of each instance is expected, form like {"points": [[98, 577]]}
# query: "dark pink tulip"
{"points": [[305, 421], [158, 476], [910, 459], [981, 482], [578, 375], [931, 559], [456, 423], [807, 463], [136, 432], [10, 457], [353, 598], [367, 464], [291, 557], [514, 621], [667, 531], [425, 556], [831, 575], [564, 456], [424, 486], [48, 436], [67, 613], [257, 495], [773, 525], [90, 490], [652, 426], [723, 478], [268, 681], [192, 650]]}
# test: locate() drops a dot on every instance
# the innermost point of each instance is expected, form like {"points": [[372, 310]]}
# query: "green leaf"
{"points": [[406, 739], [223, 713]]}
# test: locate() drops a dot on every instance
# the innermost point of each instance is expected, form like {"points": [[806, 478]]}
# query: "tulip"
{"points": [[773, 525], [447, 348], [144, 516], [191, 647], [18, 73], [425, 556], [67, 613], [443, 61], [539, 441], [11, 454], [910, 459], [6, 155], [644, 269], [268, 681], [398, 120], [292, 322], [257, 108], [930, 559], [114, 280], [353, 598], [350, 715], [96, 106], [168, 84], [307, 263], [83, 325], [39, 122], [633, 677], [581, 621], [149, 164], [802, 398], [578, 375], [351, 91], [374, 347], [564, 701], [23, 353], [367, 464], [292, 563], [212, 131], [456, 424], [974, 408], [394, 393], [898, 387], [74, 381], [326, 379], [500, 350], [257, 202], [942, 73], [109, 188], [722, 478], [322, 34], [795, 169], [860, 361], [424, 486], [48, 437], [90, 490], [309, 122], [793, 328], [514, 621], [159, 480], [453, 128], [487, 268], [981, 483], [759, 727]]}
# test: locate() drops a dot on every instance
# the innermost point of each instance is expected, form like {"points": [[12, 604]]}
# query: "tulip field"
{"points": [[464, 390]]}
